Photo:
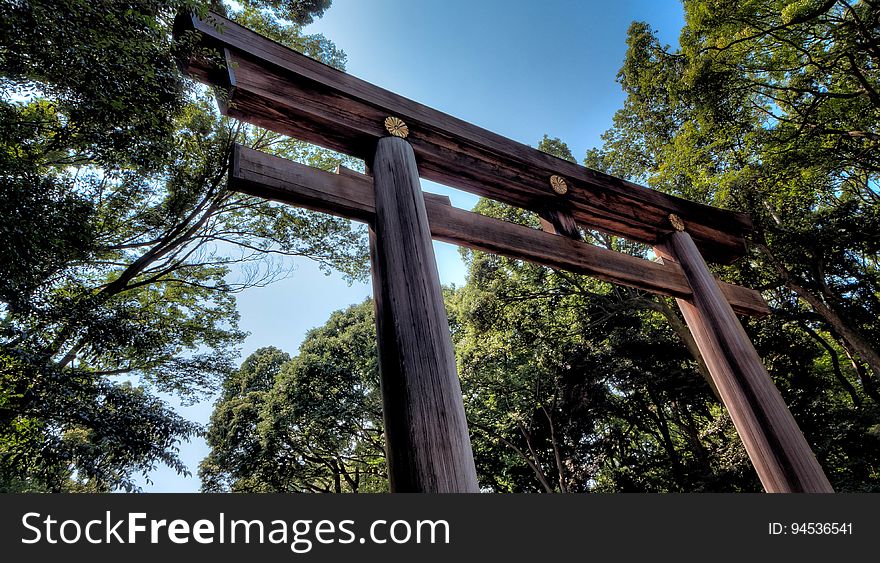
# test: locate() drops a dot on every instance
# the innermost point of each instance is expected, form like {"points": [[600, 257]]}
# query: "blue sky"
{"points": [[518, 68]]}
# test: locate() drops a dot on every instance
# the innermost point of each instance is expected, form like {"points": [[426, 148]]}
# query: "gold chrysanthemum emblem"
{"points": [[558, 184], [396, 127], [676, 222]]}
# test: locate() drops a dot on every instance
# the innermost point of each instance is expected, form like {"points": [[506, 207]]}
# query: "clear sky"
{"points": [[518, 68]]}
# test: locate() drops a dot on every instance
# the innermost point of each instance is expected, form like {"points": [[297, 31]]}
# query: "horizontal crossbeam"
{"points": [[277, 88], [350, 194]]}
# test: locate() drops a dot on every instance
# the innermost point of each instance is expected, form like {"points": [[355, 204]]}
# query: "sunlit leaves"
{"points": [[123, 249], [307, 424]]}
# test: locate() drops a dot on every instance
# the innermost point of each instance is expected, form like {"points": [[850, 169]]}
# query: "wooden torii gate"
{"points": [[428, 446]]}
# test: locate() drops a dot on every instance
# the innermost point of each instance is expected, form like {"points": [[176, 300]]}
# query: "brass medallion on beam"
{"points": [[558, 184], [676, 222], [396, 127]]}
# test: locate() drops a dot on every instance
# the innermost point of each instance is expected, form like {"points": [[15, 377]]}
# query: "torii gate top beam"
{"points": [[277, 88]]}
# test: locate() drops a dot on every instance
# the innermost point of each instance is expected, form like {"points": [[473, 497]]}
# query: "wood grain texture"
{"points": [[774, 442], [350, 194], [282, 90], [560, 222], [427, 441]]}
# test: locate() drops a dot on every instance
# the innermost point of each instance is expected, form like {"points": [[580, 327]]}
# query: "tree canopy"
{"points": [[308, 424], [123, 250]]}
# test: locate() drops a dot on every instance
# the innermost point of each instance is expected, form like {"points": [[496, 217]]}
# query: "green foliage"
{"points": [[236, 453], [771, 108], [287, 30], [46, 225], [556, 147], [124, 250], [311, 423], [63, 430], [300, 12], [105, 66], [574, 385]]}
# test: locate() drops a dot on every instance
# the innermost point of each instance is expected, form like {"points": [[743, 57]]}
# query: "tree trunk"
{"points": [[853, 341], [857, 344]]}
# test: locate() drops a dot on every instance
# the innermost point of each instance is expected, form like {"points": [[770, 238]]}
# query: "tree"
{"points": [[573, 385], [310, 424], [124, 247], [769, 107], [237, 457], [807, 74]]}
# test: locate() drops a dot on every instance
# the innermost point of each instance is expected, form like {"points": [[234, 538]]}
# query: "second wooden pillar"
{"points": [[778, 450]]}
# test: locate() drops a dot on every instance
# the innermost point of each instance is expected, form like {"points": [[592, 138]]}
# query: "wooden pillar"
{"points": [[776, 446], [427, 443]]}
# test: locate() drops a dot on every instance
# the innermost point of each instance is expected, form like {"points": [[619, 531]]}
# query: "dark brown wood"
{"points": [[350, 194], [778, 450], [282, 90], [427, 442], [560, 222], [346, 194]]}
